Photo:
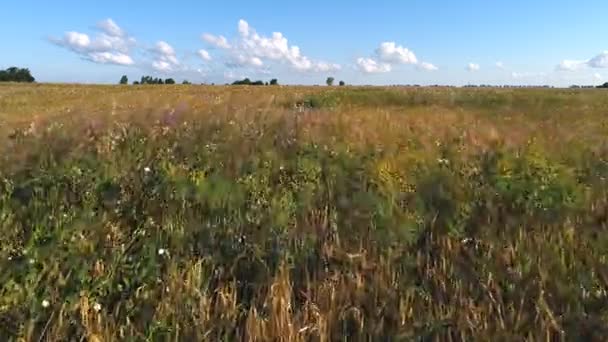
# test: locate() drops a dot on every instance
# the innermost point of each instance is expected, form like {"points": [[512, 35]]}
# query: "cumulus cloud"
{"points": [[597, 76], [204, 55], [427, 66], [216, 41], [571, 65], [473, 67], [500, 65], [252, 49], [596, 62], [109, 57], [390, 52], [599, 61], [111, 45], [371, 66], [388, 55], [110, 28], [242, 60], [165, 57]]}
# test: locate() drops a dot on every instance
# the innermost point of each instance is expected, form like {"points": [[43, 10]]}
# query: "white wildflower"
{"points": [[467, 240], [162, 251], [46, 303], [97, 307], [147, 169], [443, 161]]}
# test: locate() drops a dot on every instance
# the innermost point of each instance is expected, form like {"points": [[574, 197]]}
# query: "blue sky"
{"points": [[380, 42]]}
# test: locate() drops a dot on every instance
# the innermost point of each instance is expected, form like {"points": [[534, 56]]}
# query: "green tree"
{"points": [[169, 81], [186, 82], [330, 81], [14, 74], [274, 81], [342, 84], [124, 79]]}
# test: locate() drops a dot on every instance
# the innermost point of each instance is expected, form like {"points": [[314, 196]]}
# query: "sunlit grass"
{"points": [[279, 213]]}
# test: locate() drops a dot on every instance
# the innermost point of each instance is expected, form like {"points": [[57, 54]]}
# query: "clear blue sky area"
{"points": [[302, 42]]}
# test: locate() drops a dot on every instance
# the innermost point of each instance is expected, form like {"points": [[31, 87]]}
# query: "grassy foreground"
{"points": [[166, 213]]}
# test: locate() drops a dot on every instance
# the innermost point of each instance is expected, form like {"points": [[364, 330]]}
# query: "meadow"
{"points": [[199, 213]]}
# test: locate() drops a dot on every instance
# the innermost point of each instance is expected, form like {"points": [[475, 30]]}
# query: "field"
{"points": [[193, 213]]}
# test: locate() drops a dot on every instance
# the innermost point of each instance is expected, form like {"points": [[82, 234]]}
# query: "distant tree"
{"points": [[135, 82], [245, 81], [330, 81], [274, 81], [159, 81], [14, 74], [266, 83], [342, 84], [169, 81], [605, 85], [186, 82], [124, 80]]}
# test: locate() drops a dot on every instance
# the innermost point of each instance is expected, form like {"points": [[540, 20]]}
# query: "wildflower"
{"points": [[31, 261], [162, 251], [281, 167], [46, 303], [147, 169], [97, 307], [443, 161]]}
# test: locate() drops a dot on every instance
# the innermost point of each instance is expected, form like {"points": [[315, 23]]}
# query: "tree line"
{"points": [[150, 80], [14, 74], [247, 81]]}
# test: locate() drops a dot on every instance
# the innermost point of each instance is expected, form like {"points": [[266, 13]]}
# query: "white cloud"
{"points": [[389, 52], [371, 66], [597, 76], [241, 60], [599, 61], [253, 49], [111, 58], [110, 28], [77, 40], [216, 41], [571, 65], [427, 66], [164, 48], [473, 67], [165, 57], [323, 67], [243, 28], [388, 55], [204, 55], [162, 66], [111, 45], [500, 65]]}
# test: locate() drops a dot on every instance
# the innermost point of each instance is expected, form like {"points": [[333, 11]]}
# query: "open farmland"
{"points": [[302, 213]]}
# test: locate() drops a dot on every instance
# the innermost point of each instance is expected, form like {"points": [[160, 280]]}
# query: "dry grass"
{"points": [[302, 214]]}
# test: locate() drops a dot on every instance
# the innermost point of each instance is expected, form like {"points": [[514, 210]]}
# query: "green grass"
{"points": [[212, 213]]}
